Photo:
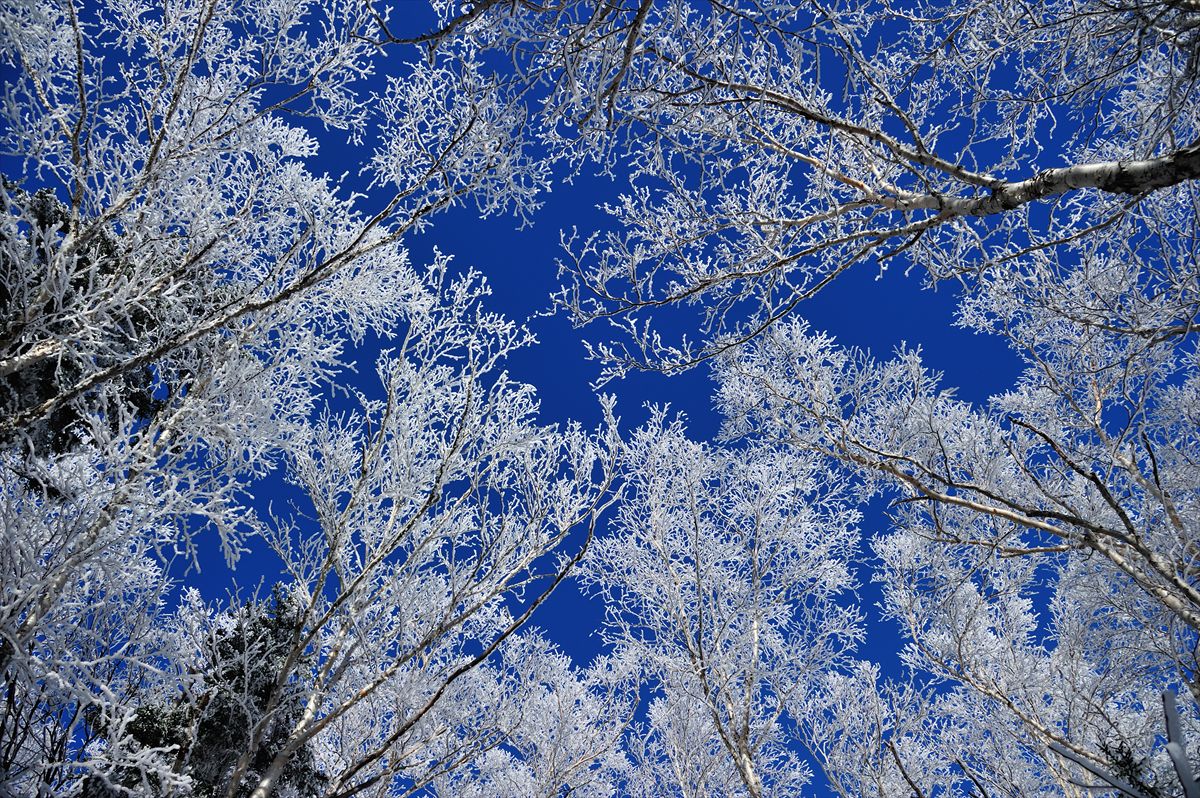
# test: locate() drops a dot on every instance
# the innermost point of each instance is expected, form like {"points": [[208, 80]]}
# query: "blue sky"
{"points": [[862, 308]]}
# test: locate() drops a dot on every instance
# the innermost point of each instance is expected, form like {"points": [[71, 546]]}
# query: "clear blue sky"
{"points": [[860, 309]]}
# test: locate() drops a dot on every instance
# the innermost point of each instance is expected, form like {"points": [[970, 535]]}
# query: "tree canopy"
{"points": [[214, 340]]}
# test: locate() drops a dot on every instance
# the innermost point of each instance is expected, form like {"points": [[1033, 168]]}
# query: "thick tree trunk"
{"points": [[1114, 177]]}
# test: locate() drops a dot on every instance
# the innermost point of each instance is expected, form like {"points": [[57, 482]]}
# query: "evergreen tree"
{"points": [[32, 294], [241, 691]]}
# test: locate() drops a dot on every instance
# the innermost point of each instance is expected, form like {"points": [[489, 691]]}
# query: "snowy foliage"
{"points": [[186, 292], [722, 579]]}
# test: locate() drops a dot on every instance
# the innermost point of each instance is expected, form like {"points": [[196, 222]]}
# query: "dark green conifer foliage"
{"points": [[45, 378], [210, 734], [251, 656]]}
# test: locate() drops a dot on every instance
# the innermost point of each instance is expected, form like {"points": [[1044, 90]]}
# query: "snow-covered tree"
{"points": [[178, 296], [429, 512], [433, 508], [773, 145], [74, 683], [1042, 556], [1042, 559], [726, 576], [181, 291], [547, 728]]}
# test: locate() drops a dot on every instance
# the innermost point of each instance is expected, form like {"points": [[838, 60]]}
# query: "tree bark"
{"points": [[1113, 177]]}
